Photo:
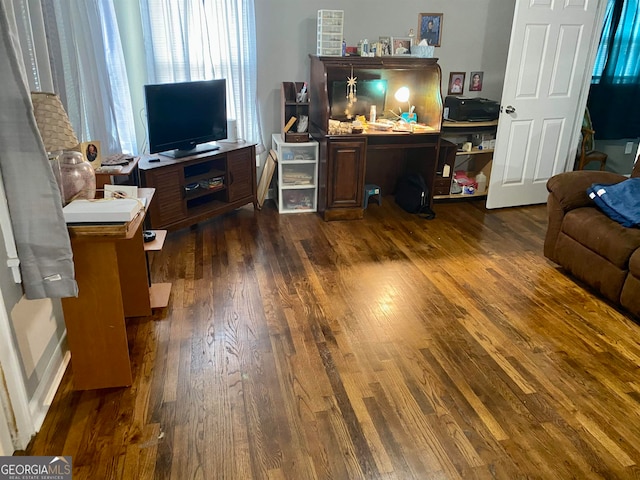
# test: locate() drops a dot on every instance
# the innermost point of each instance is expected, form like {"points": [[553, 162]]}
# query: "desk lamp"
{"points": [[402, 95]]}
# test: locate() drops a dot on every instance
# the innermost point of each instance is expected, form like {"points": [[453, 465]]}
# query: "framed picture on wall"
{"points": [[430, 28], [456, 83], [400, 45], [475, 81]]}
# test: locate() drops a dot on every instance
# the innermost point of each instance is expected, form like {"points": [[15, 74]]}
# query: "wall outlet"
{"points": [[628, 148]]}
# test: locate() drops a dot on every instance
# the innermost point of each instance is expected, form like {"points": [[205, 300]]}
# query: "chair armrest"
{"points": [[569, 189]]}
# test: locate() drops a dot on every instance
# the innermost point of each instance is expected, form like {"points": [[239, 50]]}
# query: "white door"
{"points": [[551, 54]]}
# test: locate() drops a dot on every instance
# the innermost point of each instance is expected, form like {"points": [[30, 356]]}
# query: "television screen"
{"points": [[368, 92], [182, 118]]}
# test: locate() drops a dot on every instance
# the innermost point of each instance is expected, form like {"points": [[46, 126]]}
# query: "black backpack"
{"points": [[412, 195]]}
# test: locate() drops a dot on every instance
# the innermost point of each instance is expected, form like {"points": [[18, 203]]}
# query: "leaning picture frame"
{"points": [[475, 81], [430, 28], [456, 83], [91, 152], [384, 44], [401, 45]]}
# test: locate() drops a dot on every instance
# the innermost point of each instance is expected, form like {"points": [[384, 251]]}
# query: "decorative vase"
{"points": [[78, 178]]}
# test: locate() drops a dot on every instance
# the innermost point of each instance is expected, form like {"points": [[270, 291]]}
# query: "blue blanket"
{"points": [[621, 201]]}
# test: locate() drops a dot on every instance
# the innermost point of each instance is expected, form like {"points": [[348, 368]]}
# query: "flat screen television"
{"points": [[368, 92], [183, 118]]}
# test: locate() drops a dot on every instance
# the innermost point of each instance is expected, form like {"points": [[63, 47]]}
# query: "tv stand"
{"points": [[202, 148], [197, 187]]}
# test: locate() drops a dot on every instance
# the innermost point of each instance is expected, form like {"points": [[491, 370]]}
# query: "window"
{"points": [[619, 48]]}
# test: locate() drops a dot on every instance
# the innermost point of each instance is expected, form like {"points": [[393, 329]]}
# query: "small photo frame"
{"points": [[475, 81], [91, 152], [430, 28], [400, 45], [384, 44], [456, 83]]}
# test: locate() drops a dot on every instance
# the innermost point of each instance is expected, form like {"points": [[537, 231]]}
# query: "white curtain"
{"points": [[89, 71], [189, 40], [32, 194]]}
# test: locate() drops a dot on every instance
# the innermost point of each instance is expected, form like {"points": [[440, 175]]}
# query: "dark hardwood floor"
{"points": [[387, 348]]}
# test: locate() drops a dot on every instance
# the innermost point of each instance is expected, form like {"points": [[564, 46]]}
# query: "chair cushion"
{"points": [[593, 229]]}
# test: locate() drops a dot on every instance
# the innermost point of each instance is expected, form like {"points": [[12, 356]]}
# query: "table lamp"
{"points": [[75, 176]]}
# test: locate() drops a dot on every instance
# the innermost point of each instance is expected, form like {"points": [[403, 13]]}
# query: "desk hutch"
{"points": [[348, 161]]}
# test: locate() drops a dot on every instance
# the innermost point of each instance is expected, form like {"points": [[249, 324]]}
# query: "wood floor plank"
{"points": [[386, 348]]}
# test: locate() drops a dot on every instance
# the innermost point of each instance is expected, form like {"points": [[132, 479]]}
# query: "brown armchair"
{"points": [[589, 245]]}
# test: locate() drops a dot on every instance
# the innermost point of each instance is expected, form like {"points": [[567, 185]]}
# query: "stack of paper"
{"points": [[102, 210]]}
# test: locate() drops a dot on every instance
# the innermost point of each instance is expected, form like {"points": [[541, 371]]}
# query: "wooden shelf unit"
{"points": [[451, 157], [292, 108], [179, 203]]}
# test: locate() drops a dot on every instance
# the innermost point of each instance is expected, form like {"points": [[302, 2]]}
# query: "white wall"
{"points": [[475, 37], [36, 331]]}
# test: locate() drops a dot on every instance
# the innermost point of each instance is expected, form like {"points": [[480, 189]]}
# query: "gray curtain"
{"points": [[33, 198]]}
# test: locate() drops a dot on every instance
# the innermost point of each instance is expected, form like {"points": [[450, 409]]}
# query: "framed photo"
{"points": [[400, 45], [384, 45], [91, 152], [430, 28], [475, 81], [456, 83]]}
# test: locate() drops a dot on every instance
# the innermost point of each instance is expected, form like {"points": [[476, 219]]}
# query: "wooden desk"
{"points": [[111, 271], [351, 161]]}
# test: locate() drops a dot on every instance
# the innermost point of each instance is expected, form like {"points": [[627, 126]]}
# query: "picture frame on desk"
{"points": [[384, 44], [91, 152], [401, 45]]}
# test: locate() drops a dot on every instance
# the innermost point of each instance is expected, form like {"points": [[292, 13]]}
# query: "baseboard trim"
{"points": [[48, 386]]}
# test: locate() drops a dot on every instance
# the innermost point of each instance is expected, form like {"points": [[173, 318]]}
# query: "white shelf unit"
{"points": [[297, 176]]}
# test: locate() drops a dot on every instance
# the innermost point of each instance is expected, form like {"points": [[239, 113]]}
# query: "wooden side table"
{"points": [[130, 170], [111, 271]]}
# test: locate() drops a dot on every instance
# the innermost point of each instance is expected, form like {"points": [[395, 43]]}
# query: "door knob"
{"points": [[509, 109]]}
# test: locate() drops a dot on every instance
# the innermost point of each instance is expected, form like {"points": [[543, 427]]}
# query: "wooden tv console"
{"points": [[197, 187]]}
